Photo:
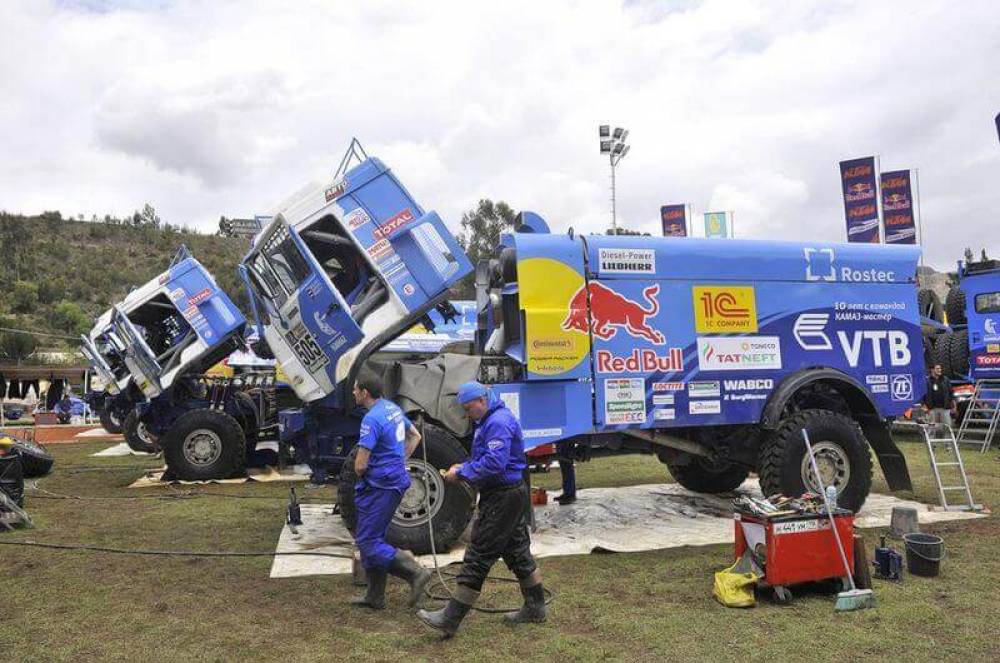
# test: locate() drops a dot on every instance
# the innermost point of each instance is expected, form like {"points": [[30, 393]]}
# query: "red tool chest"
{"points": [[794, 549]]}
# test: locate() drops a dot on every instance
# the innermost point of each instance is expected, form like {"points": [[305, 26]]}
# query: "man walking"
{"points": [[938, 400], [387, 439], [497, 470]]}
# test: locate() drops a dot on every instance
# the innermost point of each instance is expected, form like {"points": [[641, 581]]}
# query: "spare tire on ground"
{"points": [[954, 306], [35, 460], [929, 305], [447, 506]]}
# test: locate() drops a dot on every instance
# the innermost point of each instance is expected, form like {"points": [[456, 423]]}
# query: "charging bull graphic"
{"points": [[609, 310]]}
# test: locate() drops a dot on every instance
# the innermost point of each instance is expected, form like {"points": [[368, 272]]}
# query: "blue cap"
{"points": [[470, 391]]}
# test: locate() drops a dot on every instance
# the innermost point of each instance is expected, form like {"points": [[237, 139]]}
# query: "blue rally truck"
{"points": [[713, 355]]}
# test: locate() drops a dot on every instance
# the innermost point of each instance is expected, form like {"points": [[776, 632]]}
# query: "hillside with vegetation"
{"points": [[58, 274]]}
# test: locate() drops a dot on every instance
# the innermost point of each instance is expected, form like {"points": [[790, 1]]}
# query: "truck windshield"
{"points": [[279, 269]]}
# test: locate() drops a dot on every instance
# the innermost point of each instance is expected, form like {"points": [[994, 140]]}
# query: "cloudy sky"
{"points": [[224, 108]]}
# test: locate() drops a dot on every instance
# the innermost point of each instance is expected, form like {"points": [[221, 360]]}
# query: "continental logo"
{"points": [[553, 343], [724, 309]]}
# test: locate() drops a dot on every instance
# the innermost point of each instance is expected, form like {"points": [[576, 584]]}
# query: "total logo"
{"points": [[393, 224], [811, 334], [820, 267], [611, 311]]}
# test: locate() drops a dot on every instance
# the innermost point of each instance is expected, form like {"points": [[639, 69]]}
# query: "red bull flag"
{"points": [[857, 178], [674, 220], [897, 208]]}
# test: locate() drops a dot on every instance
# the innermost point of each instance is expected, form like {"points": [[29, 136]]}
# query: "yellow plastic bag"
{"points": [[734, 589]]}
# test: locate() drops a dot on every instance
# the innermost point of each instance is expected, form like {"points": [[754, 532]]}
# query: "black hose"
{"points": [[172, 553]]}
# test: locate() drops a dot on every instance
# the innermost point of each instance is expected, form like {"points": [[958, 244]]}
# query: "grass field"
{"points": [[648, 606]]}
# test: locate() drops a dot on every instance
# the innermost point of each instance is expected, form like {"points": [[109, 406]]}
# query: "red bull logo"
{"points": [[859, 192], [611, 311]]}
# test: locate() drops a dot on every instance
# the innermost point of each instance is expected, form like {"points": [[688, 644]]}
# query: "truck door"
{"points": [[101, 367], [139, 358], [306, 322]]}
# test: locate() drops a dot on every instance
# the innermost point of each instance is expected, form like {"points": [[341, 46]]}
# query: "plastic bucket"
{"points": [[924, 553]]}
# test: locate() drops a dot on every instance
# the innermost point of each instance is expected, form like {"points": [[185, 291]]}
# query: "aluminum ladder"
{"points": [[943, 449], [981, 419]]}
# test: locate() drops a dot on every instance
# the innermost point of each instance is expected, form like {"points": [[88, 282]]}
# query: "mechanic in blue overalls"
{"points": [[387, 439], [501, 530]]}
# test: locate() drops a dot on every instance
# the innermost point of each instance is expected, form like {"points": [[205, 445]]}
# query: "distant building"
{"points": [[242, 227]]}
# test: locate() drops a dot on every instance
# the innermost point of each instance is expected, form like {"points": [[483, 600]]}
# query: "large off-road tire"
{"points": [[958, 352], [137, 436], [35, 460], [941, 353], [450, 505], [842, 454], [205, 444], [702, 475], [111, 423], [928, 350], [929, 305], [954, 306]]}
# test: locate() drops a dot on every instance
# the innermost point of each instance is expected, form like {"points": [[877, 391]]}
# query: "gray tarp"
{"points": [[430, 386]]}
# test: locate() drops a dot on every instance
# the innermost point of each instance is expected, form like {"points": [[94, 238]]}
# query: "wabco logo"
{"points": [[810, 333], [611, 311], [724, 309]]}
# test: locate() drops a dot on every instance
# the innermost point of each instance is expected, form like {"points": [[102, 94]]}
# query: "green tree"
{"points": [[482, 226], [25, 297], [14, 238], [149, 217], [70, 318], [15, 345]]}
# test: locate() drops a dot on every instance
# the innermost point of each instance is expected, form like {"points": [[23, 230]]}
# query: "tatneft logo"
{"points": [[739, 354], [724, 309], [902, 388]]}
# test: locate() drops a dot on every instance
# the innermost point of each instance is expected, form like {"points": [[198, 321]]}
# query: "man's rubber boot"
{"points": [[449, 618], [565, 499], [405, 566], [374, 598], [533, 610]]}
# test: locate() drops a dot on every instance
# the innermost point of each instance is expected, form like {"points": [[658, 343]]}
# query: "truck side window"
{"points": [[988, 302], [287, 263]]}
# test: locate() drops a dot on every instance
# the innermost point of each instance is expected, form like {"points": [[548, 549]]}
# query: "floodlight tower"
{"points": [[613, 144]]}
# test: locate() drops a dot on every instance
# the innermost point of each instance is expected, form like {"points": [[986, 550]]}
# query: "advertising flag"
{"points": [[897, 208], [674, 220], [715, 224], [857, 177]]}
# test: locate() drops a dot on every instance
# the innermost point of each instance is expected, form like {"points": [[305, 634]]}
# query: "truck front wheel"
{"points": [[704, 475], [110, 421], [842, 455], [137, 435], [205, 444], [429, 499]]}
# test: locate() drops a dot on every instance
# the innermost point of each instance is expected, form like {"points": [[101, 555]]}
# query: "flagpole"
{"points": [[732, 224], [920, 216], [878, 197]]}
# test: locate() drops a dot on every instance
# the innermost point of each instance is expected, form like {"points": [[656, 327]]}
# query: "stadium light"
{"points": [[613, 144]]}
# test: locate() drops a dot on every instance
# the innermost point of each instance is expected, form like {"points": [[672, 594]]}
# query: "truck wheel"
{"points": [[205, 444], [110, 421], [35, 460], [954, 306], [703, 475], [929, 305], [928, 350], [958, 352], [841, 450], [429, 498], [137, 436], [942, 354]]}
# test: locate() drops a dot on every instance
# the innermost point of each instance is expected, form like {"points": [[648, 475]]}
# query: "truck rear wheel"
{"points": [[110, 421], [842, 454], [429, 498], [205, 444], [958, 352], [137, 436], [954, 306], [941, 353], [703, 475], [929, 305]]}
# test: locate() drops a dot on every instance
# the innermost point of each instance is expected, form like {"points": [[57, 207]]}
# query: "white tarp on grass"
{"points": [[627, 519]]}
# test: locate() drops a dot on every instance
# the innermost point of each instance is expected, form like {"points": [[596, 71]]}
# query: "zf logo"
{"points": [[881, 345], [902, 388]]}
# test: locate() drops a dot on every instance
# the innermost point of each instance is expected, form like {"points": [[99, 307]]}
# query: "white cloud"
{"points": [[227, 107]]}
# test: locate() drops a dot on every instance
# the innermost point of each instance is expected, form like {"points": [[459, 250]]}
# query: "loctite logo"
{"points": [[611, 311], [393, 224], [640, 361]]}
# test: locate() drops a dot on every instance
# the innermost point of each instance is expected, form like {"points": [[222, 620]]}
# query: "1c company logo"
{"points": [[724, 309]]}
